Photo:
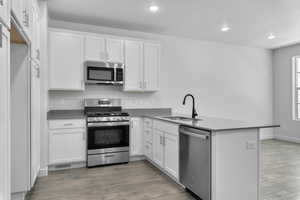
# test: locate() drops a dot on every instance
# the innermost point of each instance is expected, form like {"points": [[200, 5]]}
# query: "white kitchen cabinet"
{"points": [[158, 147], [5, 12], [35, 121], [142, 63], [151, 66], [133, 66], [67, 141], [171, 154], [66, 60], [5, 147], [95, 48], [136, 137], [161, 144], [115, 50]]}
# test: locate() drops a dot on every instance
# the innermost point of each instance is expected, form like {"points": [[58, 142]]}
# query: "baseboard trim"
{"points": [[288, 138], [137, 158], [18, 196], [65, 166], [43, 172]]}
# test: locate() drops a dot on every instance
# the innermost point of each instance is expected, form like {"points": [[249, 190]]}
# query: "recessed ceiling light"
{"points": [[225, 28], [271, 36], [153, 8]]}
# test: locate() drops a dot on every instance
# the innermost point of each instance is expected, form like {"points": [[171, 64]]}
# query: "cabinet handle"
{"points": [[68, 124], [164, 141], [38, 54], [160, 140], [1, 2]]}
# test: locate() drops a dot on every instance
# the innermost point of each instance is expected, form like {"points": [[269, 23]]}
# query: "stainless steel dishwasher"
{"points": [[195, 161]]}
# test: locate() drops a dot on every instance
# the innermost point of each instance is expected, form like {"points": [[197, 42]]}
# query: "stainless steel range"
{"points": [[108, 132]]}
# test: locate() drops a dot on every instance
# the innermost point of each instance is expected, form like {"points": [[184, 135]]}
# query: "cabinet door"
{"points": [[158, 148], [136, 137], [95, 49], [171, 154], [4, 12], [151, 66], [65, 61], [133, 66], [115, 50], [5, 142], [35, 121], [67, 146]]}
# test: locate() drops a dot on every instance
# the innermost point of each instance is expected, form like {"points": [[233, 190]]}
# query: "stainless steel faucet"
{"points": [[194, 113]]}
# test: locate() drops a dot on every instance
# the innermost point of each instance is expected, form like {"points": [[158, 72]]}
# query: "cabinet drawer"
{"points": [[148, 123], [148, 135], [166, 126], [66, 124]]}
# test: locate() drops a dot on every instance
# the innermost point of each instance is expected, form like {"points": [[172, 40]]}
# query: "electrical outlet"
{"points": [[251, 145]]}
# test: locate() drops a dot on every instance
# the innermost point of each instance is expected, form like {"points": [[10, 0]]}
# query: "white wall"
{"points": [[283, 104], [228, 81]]}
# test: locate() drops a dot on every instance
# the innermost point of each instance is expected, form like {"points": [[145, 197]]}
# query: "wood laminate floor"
{"points": [[140, 181]]}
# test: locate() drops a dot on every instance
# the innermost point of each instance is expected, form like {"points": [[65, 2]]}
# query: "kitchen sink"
{"points": [[180, 118]]}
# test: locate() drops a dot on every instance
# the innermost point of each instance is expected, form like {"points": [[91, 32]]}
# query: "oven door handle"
{"points": [[103, 124]]}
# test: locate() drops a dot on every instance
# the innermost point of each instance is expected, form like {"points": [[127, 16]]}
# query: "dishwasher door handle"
{"points": [[203, 137]]}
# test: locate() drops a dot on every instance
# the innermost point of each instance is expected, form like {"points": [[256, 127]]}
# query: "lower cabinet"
{"points": [[158, 148], [161, 145], [67, 145], [136, 137], [171, 154]]}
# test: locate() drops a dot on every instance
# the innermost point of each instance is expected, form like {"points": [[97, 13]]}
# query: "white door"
{"points": [[133, 66], [115, 50], [35, 121], [67, 146], [95, 48], [158, 148], [5, 115], [136, 137], [65, 61], [171, 154], [4, 12], [151, 66]]}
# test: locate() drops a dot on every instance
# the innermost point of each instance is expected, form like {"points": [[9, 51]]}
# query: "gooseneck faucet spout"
{"points": [[194, 113]]}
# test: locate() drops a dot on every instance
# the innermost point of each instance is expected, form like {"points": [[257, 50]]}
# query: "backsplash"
{"points": [[62, 100]]}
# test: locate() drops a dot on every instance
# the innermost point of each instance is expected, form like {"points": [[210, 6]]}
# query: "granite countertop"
{"points": [[133, 112], [216, 124]]}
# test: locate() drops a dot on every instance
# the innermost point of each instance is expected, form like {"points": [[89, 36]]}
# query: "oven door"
{"points": [[100, 75], [107, 137]]}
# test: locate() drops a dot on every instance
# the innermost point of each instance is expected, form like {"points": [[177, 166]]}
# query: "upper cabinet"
{"points": [[98, 48], [151, 66], [66, 60], [115, 50], [142, 63], [4, 12], [95, 49], [133, 66]]}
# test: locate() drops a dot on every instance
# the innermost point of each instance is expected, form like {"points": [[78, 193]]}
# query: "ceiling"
{"points": [[251, 21]]}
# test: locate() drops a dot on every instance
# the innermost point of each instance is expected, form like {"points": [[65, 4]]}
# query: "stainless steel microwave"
{"points": [[107, 73]]}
